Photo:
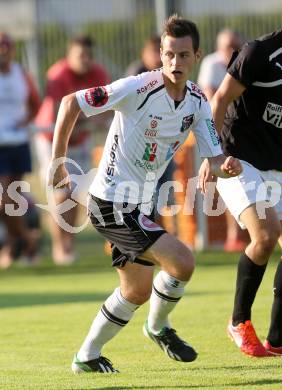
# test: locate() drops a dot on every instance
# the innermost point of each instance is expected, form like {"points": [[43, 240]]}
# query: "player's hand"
{"points": [[231, 167], [58, 176], [205, 175], [220, 166]]}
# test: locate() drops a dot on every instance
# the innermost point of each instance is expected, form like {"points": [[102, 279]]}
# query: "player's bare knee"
{"points": [[138, 296], [265, 242], [187, 270], [185, 264]]}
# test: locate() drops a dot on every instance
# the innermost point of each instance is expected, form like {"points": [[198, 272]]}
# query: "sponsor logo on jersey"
{"points": [[112, 163], [186, 122], [273, 114], [110, 181], [151, 133], [159, 118], [150, 152], [212, 131], [154, 124], [147, 87], [172, 149], [196, 89], [96, 97], [147, 224], [144, 164]]}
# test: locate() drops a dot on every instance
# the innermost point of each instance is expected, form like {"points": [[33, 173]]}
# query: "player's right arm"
{"points": [[67, 116], [229, 90], [92, 101]]}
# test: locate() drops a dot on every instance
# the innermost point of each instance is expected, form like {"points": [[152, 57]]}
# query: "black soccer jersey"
{"points": [[252, 128]]}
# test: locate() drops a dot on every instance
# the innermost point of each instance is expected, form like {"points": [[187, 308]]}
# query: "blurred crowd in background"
{"points": [[29, 102]]}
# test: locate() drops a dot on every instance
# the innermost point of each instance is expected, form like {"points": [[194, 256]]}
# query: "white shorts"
{"points": [[252, 186]]}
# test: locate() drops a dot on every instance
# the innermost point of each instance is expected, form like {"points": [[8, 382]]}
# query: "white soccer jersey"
{"points": [[145, 133]]}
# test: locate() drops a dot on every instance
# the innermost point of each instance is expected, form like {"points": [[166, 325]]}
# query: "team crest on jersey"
{"points": [[147, 224], [97, 96], [186, 122]]}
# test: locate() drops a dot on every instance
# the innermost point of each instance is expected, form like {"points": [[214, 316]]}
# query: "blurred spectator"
{"points": [[76, 71], [19, 103], [212, 71], [214, 65], [150, 57], [33, 226]]}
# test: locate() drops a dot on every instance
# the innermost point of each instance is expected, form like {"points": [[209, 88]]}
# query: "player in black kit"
{"points": [[247, 108]]}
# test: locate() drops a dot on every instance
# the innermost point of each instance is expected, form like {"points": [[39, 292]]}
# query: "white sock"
{"points": [[167, 291], [112, 317]]}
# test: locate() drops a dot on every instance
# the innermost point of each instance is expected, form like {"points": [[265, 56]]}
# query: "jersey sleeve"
{"points": [[119, 95], [249, 64], [205, 132]]}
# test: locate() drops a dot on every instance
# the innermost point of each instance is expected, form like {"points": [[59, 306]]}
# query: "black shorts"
{"points": [[15, 159], [129, 231]]}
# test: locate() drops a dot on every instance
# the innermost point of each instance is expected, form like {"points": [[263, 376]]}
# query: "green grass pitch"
{"points": [[47, 310]]}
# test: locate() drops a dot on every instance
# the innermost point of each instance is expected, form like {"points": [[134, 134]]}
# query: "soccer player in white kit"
{"points": [[154, 113]]}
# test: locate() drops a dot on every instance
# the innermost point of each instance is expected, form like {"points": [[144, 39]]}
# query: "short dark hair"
{"points": [[82, 40], [177, 27]]}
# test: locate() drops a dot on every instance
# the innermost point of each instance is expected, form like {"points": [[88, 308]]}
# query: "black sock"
{"points": [[275, 330], [249, 277]]}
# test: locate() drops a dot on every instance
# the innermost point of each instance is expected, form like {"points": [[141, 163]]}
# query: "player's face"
{"points": [[178, 58]]}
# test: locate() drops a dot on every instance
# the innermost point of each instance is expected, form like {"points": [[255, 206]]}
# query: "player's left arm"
{"points": [[215, 163]]}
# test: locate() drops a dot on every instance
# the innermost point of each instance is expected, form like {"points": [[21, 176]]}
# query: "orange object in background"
{"points": [[187, 224], [97, 155], [184, 170]]}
